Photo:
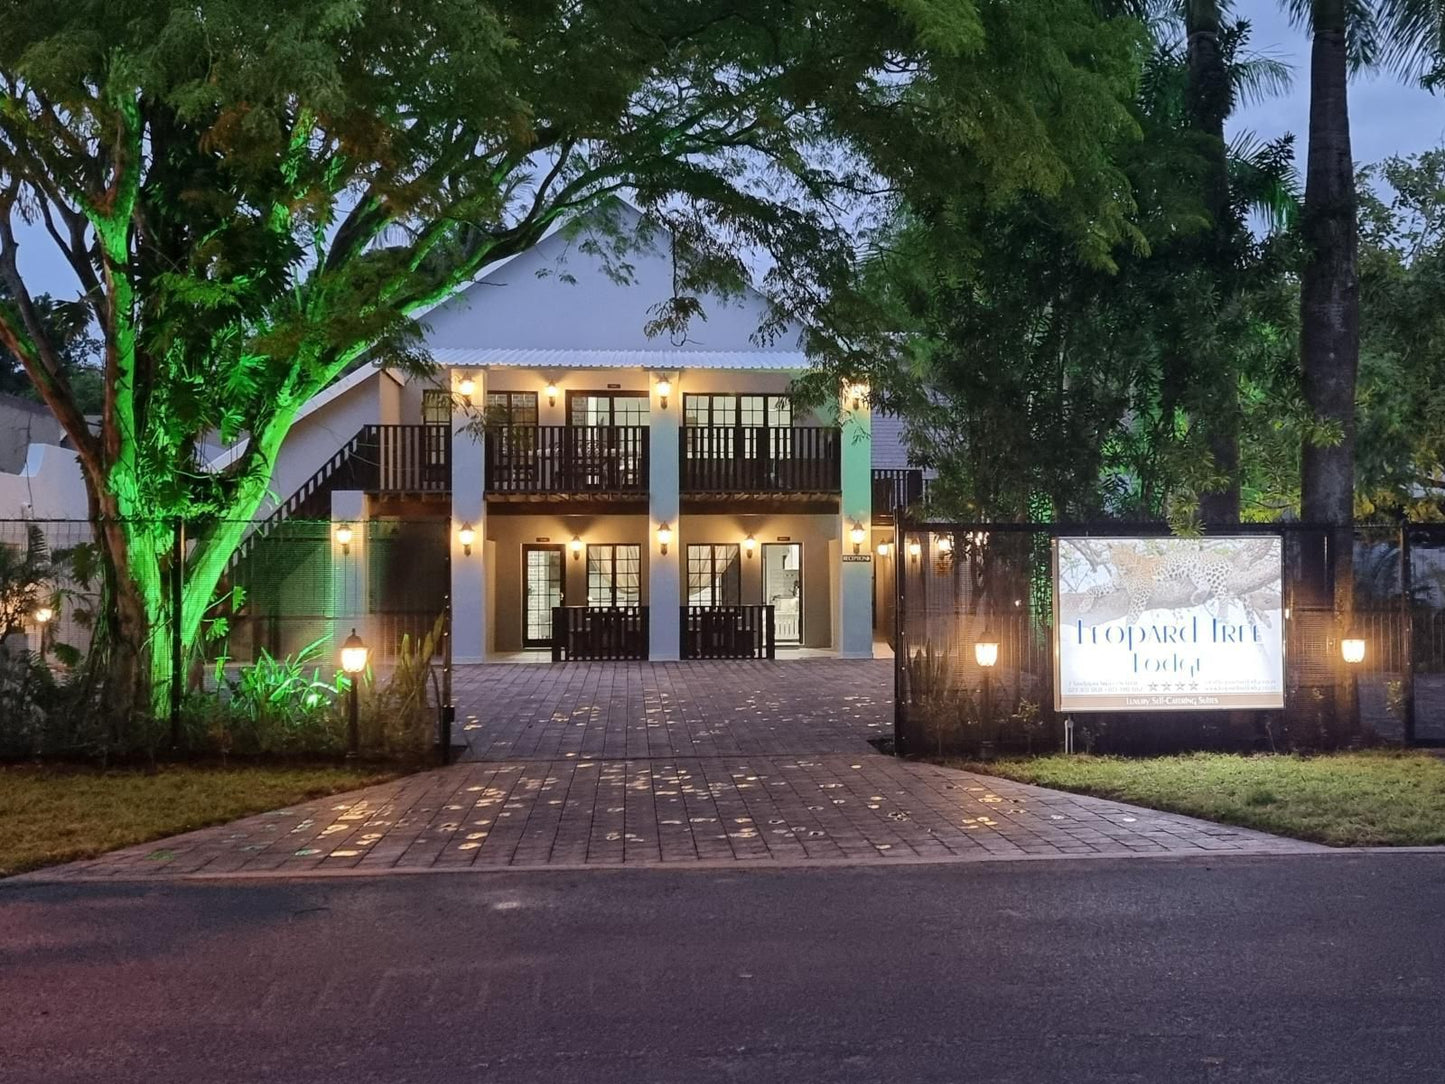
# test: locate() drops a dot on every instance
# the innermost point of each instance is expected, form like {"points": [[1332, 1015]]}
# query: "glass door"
{"points": [[541, 590], [783, 589]]}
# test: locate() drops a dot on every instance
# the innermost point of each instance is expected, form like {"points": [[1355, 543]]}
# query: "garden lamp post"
{"points": [[985, 653], [353, 661]]}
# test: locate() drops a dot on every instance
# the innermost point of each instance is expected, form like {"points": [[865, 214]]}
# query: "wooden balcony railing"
{"points": [[894, 492], [728, 632], [564, 459], [606, 633], [761, 459], [405, 458]]}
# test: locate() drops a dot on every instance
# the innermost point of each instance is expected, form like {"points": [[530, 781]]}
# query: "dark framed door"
{"points": [[543, 587], [783, 589]]}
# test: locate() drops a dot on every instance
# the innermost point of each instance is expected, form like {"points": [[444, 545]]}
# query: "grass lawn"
{"points": [[1346, 799], [58, 814]]}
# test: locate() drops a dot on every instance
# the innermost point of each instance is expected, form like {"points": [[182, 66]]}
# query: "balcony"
{"points": [[760, 461], [531, 461], [896, 491]]}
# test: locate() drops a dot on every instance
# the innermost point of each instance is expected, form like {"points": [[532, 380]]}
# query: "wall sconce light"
{"points": [[945, 544], [551, 392], [576, 545], [914, 549], [856, 395], [664, 389], [856, 536], [466, 536], [664, 537], [1352, 648], [43, 614], [884, 549], [749, 544], [343, 536], [985, 649], [466, 386]]}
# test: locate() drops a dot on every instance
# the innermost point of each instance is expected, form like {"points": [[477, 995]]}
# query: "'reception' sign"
{"points": [[1168, 624]]}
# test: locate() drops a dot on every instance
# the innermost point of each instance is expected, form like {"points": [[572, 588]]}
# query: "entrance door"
{"points": [[541, 590], [783, 589]]}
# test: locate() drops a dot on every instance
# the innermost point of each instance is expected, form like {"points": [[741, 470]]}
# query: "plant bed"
{"points": [[54, 814], [1374, 798]]}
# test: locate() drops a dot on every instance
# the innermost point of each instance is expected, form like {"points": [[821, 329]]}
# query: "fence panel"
{"points": [[957, 582]]}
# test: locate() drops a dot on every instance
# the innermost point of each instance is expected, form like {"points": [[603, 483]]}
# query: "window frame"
{"points": [[717, 576], [611, 589]]}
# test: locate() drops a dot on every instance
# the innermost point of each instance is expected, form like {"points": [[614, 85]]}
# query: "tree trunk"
{"points": [[1208, 99], [1330, 320], [1329, 289]]}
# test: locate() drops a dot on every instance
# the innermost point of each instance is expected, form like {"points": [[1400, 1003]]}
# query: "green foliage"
{"points": [[255, 195], [398, 718], [24, 582], [278, 705]]}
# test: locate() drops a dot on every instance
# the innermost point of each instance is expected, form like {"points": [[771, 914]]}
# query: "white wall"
{"points": [[49, 487]]}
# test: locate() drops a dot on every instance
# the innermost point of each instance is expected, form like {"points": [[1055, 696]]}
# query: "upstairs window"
{"points": [[511, 408]]}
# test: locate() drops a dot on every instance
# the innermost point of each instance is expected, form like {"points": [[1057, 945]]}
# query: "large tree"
{"points": [[254, 194]]}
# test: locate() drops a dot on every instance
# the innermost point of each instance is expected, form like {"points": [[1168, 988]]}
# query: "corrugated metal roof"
{"points": [[622, 359]]}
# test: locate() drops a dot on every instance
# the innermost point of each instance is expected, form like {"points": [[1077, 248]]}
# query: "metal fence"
{"points": [[293, 586], [956, 581]]}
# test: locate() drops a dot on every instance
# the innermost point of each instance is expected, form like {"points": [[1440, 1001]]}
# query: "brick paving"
{"points": [[672, 764]]}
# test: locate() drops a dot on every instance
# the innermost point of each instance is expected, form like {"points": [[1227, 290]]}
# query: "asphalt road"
{"points": [[1251, 969]]}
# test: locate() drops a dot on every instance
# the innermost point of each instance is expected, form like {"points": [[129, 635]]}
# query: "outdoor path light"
{"points": [[1352, 648], [353, 661]]}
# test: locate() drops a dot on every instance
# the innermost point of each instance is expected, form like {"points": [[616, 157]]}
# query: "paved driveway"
{"points": [[585, 765]]}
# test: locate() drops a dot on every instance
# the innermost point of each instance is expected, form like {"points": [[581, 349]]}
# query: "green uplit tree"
{"points": [[255, 195]]}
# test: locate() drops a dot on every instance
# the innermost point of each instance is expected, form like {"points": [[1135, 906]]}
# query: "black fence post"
{"points": [[900, 649], [178, 576], [1407, 632], [446, 711]]}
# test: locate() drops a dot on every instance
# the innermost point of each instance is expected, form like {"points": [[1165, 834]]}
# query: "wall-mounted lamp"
{"points": [[466, 386], [576, 545], [945, 544], [343, 536], [985, 649], [1352, 648], [884, 549], [664, 389], [664, 537], [749, 544], [856, 536], [43, 615], [856, 394], [914, 549], [551, 392], [466, 536]]}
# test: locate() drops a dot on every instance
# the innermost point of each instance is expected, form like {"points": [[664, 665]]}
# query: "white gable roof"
{"points": [[622, 359], [555, 296]]}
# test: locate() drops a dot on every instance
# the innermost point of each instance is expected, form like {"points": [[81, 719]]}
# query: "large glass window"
{"points": [[511, 408], [590, 409], [728, 411], [614, 575], [714, 575]]}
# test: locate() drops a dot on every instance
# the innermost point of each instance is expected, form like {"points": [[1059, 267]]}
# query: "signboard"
{"points": [[859, 558], [1168, 624]]}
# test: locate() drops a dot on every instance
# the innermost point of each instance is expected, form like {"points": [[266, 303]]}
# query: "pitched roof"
{"points": [[784, 360]]}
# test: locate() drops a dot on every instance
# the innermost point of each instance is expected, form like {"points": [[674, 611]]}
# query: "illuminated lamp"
{"points": [[1352, 648], [856, 536], [466, 536], [664, 537]]}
